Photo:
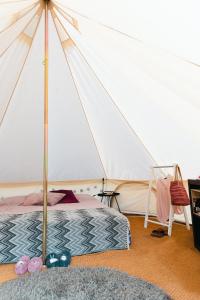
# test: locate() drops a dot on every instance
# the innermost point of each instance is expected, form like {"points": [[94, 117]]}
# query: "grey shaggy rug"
{"points": [[80, 284]]}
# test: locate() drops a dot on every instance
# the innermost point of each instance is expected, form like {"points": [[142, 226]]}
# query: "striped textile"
{"points": [[81, 231]]}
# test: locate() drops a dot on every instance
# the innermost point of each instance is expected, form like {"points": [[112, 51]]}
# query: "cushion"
{"points": [[68, 198], [54, 198], [37, 199], [15, 200], [33, 199]]}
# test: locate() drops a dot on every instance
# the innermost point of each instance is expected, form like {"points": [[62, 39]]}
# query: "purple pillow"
{"points": [[68, 198]]}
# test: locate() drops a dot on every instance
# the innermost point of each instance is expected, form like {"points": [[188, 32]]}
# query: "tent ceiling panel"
{"points": [[8, 36], [165, 96], [172, 119], [141, 95], [21, 133], [123, 155], [10, 10], [124, 88], [14, 59], [168, 70], [148, 21], [72, 149], [107, 123]]}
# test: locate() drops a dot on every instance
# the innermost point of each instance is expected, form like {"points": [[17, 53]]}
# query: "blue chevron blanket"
{"points": [[81, 231]]}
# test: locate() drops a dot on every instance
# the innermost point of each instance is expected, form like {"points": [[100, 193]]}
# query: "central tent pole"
{"points": [[45, 163]]}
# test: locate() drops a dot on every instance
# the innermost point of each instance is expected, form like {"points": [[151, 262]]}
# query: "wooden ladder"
{"points": [[171, 212]]}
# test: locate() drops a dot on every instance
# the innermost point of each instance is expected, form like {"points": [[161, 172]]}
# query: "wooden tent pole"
{"points": [[45, 162]]}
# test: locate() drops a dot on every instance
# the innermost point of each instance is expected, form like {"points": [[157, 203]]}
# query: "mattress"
{"points": [[82, 228], [85, 202]]}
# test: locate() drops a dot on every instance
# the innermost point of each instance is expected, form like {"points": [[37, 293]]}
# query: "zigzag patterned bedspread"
{"points": [[81, 231]]}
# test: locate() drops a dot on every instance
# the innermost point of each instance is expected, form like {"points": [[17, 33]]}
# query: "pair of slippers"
{"points": [[160, 232], [25, 264], [62, 259]]}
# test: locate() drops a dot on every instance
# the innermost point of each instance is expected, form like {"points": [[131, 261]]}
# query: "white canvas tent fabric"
{"points": [[124, 88]]}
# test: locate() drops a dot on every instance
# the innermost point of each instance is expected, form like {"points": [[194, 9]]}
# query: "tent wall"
{"points": [[124, 91]]}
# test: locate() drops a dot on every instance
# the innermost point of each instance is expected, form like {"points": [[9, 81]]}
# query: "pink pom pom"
{"points": [[25, 258], [35, 264], [21, 267]]}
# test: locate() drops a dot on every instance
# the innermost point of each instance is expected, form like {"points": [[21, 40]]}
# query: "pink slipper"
{"points": [[35, 264], [21, 267]]}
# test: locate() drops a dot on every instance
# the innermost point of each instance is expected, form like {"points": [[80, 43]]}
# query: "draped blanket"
{"points": [[81, 231]]}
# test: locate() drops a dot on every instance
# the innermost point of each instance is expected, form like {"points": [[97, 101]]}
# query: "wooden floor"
{"points": [[171, 263]]}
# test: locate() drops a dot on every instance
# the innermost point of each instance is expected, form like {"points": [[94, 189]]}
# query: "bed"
{"points": [[85, 227]]}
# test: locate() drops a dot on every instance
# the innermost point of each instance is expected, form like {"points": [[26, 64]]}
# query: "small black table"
{"points": [[109, 196]]}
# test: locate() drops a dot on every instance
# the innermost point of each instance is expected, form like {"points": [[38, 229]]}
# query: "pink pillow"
{"points": [[15, 200], [33, 199], [54, 198], [37, 199]]}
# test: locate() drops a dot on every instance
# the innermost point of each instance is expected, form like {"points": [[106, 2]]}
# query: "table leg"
{"points": [[117, 204], [109, 201]]}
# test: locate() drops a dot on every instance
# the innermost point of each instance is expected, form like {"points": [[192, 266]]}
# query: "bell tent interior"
{"points": [[93, 94]]}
